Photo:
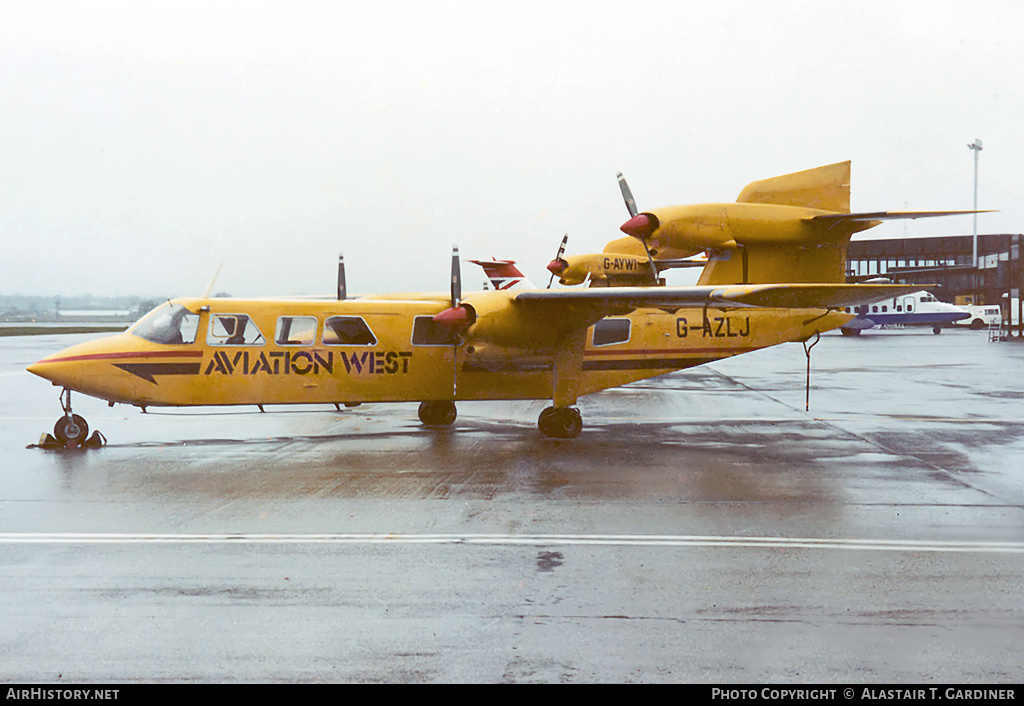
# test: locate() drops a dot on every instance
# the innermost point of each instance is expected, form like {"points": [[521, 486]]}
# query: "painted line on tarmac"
{"points": [[73, 538]]}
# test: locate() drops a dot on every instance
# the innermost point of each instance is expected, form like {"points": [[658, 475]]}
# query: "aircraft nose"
{"points": [[55, 372], [73, 367]]}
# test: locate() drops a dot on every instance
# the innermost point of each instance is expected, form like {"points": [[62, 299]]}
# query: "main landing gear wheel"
{"points": [[437, 414], [560, 422], [937, 330]]}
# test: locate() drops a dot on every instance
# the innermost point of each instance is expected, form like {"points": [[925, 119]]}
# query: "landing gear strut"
{"points": [[560, 422], [437, 414], [71, 430]]}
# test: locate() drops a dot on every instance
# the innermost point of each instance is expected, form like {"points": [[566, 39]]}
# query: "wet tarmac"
{"points": [[702, 528]]}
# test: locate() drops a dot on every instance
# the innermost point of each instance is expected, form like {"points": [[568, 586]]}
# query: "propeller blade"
{"points": [[209, 287], [650, 260], [558, 259], [342, 290], [456, 278], [627, 196]]}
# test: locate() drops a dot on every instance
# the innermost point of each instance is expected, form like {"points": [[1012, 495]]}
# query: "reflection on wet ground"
{"points": [[882, 531]]}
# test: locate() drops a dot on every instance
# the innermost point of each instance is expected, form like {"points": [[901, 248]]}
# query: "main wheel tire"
{"points": [[850, 331], [73, 430], [977, 324], [560, 422], [937, 330], [437, 414]]}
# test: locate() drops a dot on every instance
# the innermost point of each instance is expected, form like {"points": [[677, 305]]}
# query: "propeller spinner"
{"points": [[456, 314], [558, 265]]}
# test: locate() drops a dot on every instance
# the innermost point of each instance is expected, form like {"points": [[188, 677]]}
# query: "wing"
{"points": [[582, 307]]}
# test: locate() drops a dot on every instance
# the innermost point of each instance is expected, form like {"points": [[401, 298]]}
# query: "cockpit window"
{"points": [[170, 323], [233, 330]]}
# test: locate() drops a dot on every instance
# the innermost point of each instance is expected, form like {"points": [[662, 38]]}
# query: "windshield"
{"points": [[168, 323]]}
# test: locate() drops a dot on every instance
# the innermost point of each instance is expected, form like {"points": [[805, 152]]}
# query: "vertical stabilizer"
{"points": [[825, 188], [504, 274]]}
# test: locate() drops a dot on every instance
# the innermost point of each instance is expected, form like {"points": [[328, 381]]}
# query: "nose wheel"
{"points": [[71, 430]]}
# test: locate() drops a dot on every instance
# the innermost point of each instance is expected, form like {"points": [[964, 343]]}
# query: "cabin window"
{"points": [[348, 331], [295, 331], [899, 307], [233, 330], [427, 332], [885, 308], [610, 331], [910, 307], [171, 323], [874, 310]]}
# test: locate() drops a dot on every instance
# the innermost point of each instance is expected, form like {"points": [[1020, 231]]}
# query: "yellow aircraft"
{"points": [[780, 279]]}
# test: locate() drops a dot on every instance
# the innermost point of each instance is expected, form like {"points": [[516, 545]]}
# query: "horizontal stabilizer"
{"points": [[833, 218]]}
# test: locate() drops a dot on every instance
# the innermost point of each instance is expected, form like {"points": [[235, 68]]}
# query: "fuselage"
{"points": [[234, 351]]}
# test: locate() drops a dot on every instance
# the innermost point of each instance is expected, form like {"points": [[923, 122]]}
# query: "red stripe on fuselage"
{"points": [[128, 356], [675, 351]]}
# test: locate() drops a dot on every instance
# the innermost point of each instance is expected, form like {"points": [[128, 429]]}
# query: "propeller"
{"points": [[456, 314], [639, 224], [558, 265], [209, 287], [627, 196], [342, 291], [456, 277]]}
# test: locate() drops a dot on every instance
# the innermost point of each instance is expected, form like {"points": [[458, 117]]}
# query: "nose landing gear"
{"points": [[71, 430]]}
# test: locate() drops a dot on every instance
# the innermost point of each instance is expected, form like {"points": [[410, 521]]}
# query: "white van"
{"points": [[981, 316]]}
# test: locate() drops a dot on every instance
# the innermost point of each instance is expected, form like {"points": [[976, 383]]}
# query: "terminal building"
{"points": [[948, 262]]}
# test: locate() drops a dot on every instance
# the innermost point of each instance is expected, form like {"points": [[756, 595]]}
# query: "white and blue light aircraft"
{"points": [[915, 309]]}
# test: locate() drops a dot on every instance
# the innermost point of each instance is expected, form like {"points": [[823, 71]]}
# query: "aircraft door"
{"points": [[435, 345]]}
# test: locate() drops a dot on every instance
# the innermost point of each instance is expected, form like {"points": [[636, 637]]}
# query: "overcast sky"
{"points": [[142, 143]]}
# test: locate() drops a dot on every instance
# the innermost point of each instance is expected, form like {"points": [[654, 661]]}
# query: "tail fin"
{"points": [[504, 274], [825, 188]]}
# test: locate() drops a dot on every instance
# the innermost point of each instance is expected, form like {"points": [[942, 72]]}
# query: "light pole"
{"points": [[976, 147]]}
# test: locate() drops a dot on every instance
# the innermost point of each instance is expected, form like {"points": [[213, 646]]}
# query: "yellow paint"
{"points": [[500, 357]]}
